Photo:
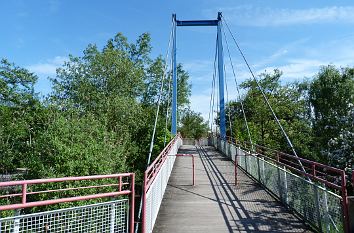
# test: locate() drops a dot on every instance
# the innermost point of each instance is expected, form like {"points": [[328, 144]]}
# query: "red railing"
{"points": [[123, 188], [152, 172], [153, 169]]}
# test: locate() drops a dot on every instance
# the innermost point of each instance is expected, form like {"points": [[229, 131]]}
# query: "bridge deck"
{"points": [[215, 204]]}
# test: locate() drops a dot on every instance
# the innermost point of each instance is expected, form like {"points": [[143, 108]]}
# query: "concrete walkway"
{"points": [[215, 204]]}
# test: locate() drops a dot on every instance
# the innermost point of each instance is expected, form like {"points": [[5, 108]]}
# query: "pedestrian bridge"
{"points": [[210, 185], [257, 193], [215, 204]]}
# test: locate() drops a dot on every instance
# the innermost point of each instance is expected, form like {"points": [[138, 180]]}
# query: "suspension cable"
{"points": [[212, 97], [156, 119], [264, 96], [227, 101], [168, 106], [158, 104], [211, 104], [217, 88], [238, 90]]}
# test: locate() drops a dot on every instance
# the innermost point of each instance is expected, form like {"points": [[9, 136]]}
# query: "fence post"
{"points": [[132, 203], [285, 186], [328, 217], [18, 211], [24, 193], [345, 203], [318, 207], [229, 150], [258, 168], [113, 218], [351, 212], [263, 170], [279, 184], [236, 163], [143, 224], [17, 221], [246, 162], [193, 170]]}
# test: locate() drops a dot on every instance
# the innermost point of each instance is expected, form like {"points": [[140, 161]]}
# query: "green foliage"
{"points": [[193, 125], [74, 145], [18, 115], [331, 95], [16, 85], [340, 149], [97, 120], [317, 115], [88, 81], [287, 103]]}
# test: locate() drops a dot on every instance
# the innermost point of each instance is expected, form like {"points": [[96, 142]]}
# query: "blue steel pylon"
{"points": [[217, 23]]}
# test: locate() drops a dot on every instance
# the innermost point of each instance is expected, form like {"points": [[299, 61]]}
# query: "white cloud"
{"points": [[49, 67], [262, 17], [297, 68], [305, 60], [296, 60]]}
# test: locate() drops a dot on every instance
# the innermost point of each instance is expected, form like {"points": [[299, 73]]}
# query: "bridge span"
{"points": [[271, 195], [215, 204]]}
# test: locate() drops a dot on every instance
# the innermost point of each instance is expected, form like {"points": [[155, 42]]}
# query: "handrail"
{"points": [[121, 190], [320, 172], [324, 174], [153, 169], [62, 179]]}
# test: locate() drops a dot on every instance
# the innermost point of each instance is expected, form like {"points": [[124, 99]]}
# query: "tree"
{"points": [[289, 106], [18, 117], [340, 149], [332, 100], [153, 86], [117, 70], [193, 125], [76, 145], [119, 85], [16, 85]]}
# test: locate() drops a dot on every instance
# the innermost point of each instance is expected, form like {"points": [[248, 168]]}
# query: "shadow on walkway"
{"points": [[215, 204]]}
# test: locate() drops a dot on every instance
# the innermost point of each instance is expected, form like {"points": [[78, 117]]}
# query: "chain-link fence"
{"points": [[110, 217], [317, 205], [101, 208], [156, 179]]}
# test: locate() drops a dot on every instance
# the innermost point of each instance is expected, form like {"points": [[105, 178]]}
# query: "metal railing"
{"points": [[317, 192], [111, 216], [155, 182]]}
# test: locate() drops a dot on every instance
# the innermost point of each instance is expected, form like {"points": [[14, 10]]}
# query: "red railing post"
{"points": [[24, 193], [132, 202], [120, 184], [235, 168], [353, 180], [314, 170], [193, 170], [345, 203]]}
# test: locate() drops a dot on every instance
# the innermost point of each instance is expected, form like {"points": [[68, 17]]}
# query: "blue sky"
{"points": [[295, 36]]}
